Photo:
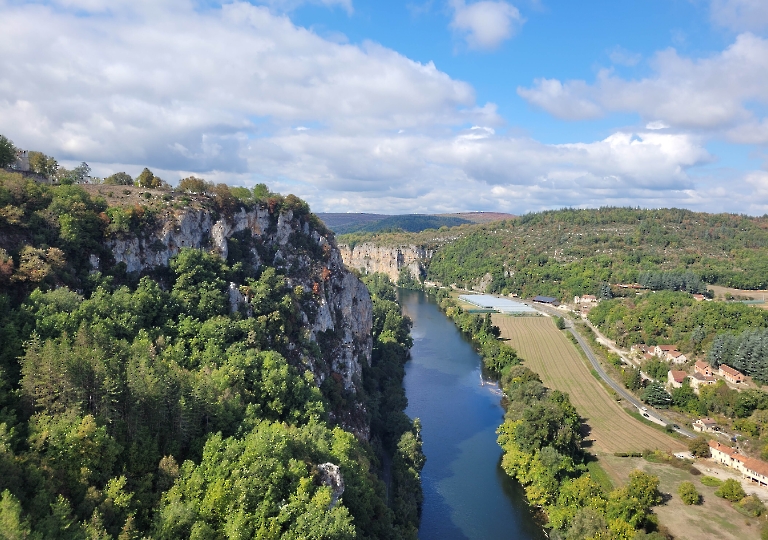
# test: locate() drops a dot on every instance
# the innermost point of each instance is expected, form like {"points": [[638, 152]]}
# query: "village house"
{"points": [[676, 357], [705, 425], [731, 375], [675, 378], [755, 470], [585, 299], [703, 368], [698, 380]]}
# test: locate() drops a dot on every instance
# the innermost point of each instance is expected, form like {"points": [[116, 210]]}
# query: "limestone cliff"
{"points": [[338, 316], [369, 258]]}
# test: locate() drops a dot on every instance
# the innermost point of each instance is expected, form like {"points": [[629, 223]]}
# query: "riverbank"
{"points": [[466, 493]]}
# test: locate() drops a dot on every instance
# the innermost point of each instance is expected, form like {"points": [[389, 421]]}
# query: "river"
{"points": [[466, 493]]}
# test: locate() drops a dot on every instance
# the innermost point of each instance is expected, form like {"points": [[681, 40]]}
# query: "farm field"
{"points": [[548, 352], [758, 295]]}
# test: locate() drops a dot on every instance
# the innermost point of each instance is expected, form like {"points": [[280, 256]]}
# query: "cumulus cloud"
{"points": [[485, 24], [740, 15], [227, 92], [708, 93]]}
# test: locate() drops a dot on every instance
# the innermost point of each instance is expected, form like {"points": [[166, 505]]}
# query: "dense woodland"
{"points": [[145, 407]]}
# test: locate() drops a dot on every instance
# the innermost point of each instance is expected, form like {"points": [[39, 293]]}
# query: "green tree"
{"points": [[688, 493], [261, 192], [192, 184], [43, 165], [148, 180], [731, 490], [119, 179], [644, 487], [7, 152], [560, 323], [656, 395], [699, 447], [12, 525]]}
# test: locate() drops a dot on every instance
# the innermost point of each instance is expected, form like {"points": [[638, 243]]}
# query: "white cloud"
{"points": [[570, 101], [485, 24], [224, 92], [740, 15], [706, 93], [657, 124]]}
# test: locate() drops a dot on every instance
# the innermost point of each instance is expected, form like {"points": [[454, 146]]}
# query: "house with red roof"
{"points": [[675, 379], [731, 375], [702, 367], [755, 470]]}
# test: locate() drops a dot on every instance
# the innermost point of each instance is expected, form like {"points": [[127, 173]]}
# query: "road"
{"points": [[653, 414]]}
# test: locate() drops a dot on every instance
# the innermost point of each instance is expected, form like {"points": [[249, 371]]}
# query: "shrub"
{"points": [[688, 493], [711, 481], [731, 490], [751, 506]]}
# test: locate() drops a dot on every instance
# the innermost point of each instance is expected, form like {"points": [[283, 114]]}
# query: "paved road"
{"points": [[653, 414]]}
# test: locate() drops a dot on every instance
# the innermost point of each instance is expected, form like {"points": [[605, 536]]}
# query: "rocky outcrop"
{"points": [[330, 475], [338, 314], [369, 258]]}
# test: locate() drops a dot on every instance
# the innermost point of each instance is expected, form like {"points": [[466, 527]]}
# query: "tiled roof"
{"points": [[730, 371], [754, 465], [678, 376], [722, 448]]}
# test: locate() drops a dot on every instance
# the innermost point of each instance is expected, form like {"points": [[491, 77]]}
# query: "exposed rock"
{"points": [[330, 475], [342, 309], [369, 258]]}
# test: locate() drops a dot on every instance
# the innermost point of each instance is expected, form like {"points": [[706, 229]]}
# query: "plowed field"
{"points": [[547, 351]]}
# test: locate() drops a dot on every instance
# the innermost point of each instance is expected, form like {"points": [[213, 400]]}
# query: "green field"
{"points": [[548, 352]]}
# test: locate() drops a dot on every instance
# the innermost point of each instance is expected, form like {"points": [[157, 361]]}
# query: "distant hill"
{"points": [[337, 221], [481, 217], [372, 223]]}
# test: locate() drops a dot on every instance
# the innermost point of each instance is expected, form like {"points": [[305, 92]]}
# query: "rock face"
{"points": [[330, 475], [369, 258], [339, 315]]}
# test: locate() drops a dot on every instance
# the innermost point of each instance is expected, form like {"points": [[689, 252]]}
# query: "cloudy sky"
{"points": [[404, 106]]}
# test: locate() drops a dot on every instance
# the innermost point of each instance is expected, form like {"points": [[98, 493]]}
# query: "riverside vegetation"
{"points": [[145, 406], [543, 449]]}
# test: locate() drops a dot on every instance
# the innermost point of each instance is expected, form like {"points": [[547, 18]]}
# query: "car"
{"points": [[675, 426], [644, 409]]}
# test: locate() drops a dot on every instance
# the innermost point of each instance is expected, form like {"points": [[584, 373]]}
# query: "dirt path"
{"points": [[548, 352]]}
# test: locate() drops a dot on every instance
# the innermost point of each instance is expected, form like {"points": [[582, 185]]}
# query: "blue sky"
{"points": [[398, 107]]}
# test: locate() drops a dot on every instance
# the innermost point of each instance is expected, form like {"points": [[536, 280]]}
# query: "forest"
{"points": [[145, 406], [563, 253]]}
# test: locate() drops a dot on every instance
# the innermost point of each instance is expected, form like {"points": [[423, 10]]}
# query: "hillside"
{"points": [[178, 364], [567, 252]]}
